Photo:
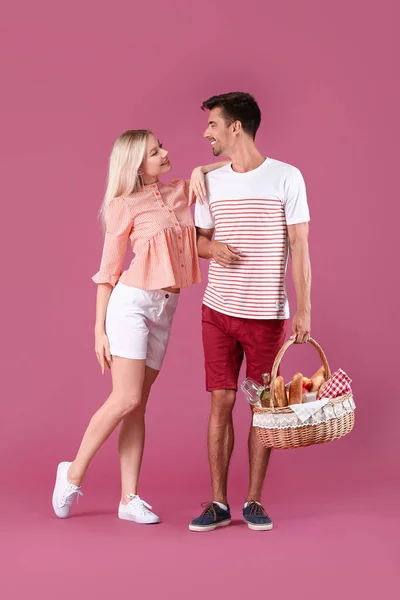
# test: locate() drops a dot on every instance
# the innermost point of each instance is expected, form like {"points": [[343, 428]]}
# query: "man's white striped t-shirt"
{"points": [[251, 211]]}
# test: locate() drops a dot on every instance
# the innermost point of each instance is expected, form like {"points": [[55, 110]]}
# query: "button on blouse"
{"points": [[158, 225]]}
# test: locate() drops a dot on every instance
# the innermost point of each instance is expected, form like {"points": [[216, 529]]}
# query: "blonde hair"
{"points": [[123, 172]]}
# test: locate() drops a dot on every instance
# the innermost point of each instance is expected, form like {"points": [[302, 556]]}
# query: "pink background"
{"points": [[74, 77]]}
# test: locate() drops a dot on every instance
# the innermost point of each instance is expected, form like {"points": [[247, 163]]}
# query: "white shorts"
{"points": [[138, 323]]}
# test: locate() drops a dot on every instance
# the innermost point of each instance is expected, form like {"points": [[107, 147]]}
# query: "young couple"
{"points": [[251, 212]]}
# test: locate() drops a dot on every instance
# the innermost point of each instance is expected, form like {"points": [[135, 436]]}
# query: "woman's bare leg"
{"points": [[131, 440], [128, 378]]}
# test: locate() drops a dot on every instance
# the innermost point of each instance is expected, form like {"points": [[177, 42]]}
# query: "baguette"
{"points": [[296, 389], [318, 379], [280, 398]]}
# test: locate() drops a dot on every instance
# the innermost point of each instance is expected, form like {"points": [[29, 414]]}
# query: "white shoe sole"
{"points": [[210, 527], [54, 499], [259, 527], [126, 517]]}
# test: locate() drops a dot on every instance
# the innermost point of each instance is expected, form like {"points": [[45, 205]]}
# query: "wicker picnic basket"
{"points": [[281, 428]]}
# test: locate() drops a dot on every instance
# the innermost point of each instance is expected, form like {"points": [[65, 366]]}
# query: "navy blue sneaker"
{"points": [[256, 517], [213, 516]]}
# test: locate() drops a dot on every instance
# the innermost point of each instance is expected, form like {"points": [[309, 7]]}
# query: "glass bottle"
{"points": [[266, 393], [252, 390]]}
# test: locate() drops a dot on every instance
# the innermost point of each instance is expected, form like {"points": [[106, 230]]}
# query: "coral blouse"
{"points": [[158, 223]]}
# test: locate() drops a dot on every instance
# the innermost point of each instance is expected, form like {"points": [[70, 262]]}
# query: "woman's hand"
{"points": [[197, 188], [102, 349]]}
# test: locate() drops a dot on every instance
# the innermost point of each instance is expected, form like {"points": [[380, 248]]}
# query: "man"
{"points": [[257, 211]]}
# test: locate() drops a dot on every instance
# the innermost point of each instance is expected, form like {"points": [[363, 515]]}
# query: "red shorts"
{"points": [[227, 339]]}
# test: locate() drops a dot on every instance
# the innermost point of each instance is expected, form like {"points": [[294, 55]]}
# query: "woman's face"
{"points": [[156, 161]]}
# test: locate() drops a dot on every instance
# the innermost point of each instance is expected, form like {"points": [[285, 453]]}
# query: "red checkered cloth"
{"points": [[337, 385]]}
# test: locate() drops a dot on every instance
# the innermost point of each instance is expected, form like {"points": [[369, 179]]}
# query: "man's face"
{"points": [[218, 133]]}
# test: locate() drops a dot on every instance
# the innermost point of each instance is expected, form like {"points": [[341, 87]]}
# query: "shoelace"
{"points": [[257, 510], [139, 504], [70, 494], [209, 508]]}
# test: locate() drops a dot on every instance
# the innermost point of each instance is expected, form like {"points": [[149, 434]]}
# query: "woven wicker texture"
{"points": [[297, 437]]}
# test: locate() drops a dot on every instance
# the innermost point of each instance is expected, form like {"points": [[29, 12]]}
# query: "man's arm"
{"points": [[301, 272], [223, 254]]}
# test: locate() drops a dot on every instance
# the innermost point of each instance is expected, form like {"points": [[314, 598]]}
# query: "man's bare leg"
{"points": [[258, 461], [220, 441]]}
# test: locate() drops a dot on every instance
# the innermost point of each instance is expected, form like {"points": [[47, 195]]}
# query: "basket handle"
{"points": [[279, 357]]}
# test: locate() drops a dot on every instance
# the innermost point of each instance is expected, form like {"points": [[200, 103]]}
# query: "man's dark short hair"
{"points": [[237, 106]]}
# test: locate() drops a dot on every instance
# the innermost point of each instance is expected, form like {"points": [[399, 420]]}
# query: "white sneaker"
{"points": [[64, 492], [137, 510]]}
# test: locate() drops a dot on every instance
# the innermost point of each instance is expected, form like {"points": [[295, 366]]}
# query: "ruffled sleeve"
{"points": [[119, 225]]}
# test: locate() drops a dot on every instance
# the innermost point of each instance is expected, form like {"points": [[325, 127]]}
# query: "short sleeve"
{"points": [[295, 199], [118, 224], [203, 216]]}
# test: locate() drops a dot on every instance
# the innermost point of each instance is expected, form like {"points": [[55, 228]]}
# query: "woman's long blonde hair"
{"points": [[123, 172]]}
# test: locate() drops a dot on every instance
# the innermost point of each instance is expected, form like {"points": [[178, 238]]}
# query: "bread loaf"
{"points": [[295, 390], [318, 379], [280, 398]]}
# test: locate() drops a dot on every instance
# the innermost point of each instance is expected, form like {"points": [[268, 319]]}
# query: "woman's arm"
{"points": [[213, 167], [103, 295], [118, 226], [101, 343], [197, 188]]}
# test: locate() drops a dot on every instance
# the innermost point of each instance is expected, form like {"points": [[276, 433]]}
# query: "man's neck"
{"points": [[246, 158]]}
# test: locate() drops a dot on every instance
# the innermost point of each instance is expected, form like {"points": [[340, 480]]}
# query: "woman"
{"points": [[133, 320]]}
